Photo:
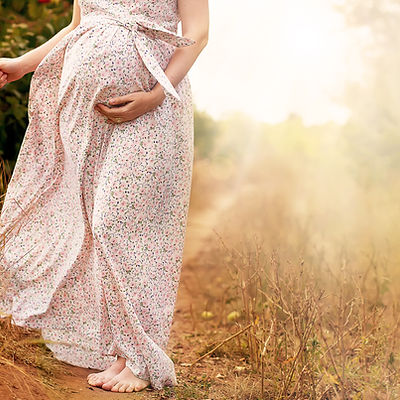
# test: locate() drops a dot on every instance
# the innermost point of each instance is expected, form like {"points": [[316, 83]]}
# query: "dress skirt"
{"points": [[94, 218]]}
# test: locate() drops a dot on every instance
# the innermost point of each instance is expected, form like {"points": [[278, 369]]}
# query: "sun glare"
{"points": [[305, 42], [270, 59]]}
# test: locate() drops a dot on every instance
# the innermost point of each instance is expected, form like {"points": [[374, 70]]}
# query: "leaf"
{"points": [[11, 100], [17, 5], [207, 315], [35, 11], [185, 364], [50, 28], [332, 378], [233, 316]]}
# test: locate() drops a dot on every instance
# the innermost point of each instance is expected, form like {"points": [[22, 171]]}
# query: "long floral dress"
{"points": [[95, 213]]}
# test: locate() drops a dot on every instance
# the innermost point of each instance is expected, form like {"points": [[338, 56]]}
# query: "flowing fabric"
{"points": [[95, 213]]}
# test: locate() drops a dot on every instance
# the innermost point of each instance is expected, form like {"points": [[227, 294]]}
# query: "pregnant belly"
{"points": [[101, 62]]}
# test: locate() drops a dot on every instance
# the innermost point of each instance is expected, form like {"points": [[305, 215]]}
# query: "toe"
{"points": [[90, 381], [142, 385], [98, 382], [130, 388], [108, 385], [123, 387], [116, 387]]}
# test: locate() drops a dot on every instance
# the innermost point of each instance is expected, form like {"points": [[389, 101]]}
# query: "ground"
{"points": [[218, 376]]}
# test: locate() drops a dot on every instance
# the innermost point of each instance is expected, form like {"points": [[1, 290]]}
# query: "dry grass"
{"points": [[295, 295], [26, 361], [25, 346], [307, 255], [307, 341]]}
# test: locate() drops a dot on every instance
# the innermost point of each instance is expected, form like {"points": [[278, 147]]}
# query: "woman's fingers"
{"points": [[3, 80], [110, 118], [123, 99], [111, 112], [114, 111], [133, 109]]}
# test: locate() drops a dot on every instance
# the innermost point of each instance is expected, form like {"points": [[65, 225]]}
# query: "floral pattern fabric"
{"points": [[95, 212]]}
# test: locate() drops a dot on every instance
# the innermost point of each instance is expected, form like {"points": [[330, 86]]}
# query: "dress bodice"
{"points": [[151, 22], [164, 12]]}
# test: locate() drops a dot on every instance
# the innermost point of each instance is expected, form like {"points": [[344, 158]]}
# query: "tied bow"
{"points": [[152, 30]]}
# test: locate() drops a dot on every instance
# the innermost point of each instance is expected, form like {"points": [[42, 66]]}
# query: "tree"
{"points": [[373, 132]]}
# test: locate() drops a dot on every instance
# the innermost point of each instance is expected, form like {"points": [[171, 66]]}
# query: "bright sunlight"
{"points": [[276, 58]]}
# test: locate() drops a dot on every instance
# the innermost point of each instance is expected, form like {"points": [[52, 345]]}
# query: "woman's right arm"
{"points": [[12, 69]]}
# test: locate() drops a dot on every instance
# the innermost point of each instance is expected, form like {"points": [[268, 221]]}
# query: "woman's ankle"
{"points": [[121, 359]]}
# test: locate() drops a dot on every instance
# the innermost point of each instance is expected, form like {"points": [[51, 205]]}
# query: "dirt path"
{"points": [[186, 340], [199, 232]]}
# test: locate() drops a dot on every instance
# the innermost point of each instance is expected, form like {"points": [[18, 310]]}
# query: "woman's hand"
{"points": [[195, 21], [137, 103], [11, 69]]}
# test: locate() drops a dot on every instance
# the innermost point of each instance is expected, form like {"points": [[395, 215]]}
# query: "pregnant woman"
{"points": [[94, 218]]}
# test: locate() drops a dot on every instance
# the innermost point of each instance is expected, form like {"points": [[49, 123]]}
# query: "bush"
{"points": [[24, 25]]}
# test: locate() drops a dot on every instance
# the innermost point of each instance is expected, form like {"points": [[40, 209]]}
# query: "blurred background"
{"points": [[294, 225]]}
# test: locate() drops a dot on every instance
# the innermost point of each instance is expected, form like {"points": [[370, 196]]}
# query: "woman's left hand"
{"points": [[137, 103]]}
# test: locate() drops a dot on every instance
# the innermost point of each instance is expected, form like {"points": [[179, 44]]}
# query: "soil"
{"points": [[211, 378]]}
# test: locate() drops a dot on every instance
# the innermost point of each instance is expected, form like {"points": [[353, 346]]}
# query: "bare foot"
{"points": [[99, 378], [126, 381]]}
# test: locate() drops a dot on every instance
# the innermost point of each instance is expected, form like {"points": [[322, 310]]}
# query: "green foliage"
{"points": [[372, 135], [206, 131], [24, 25]]}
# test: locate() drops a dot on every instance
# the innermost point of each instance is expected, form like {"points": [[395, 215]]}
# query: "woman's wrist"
{"points": [[157, 94]]}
